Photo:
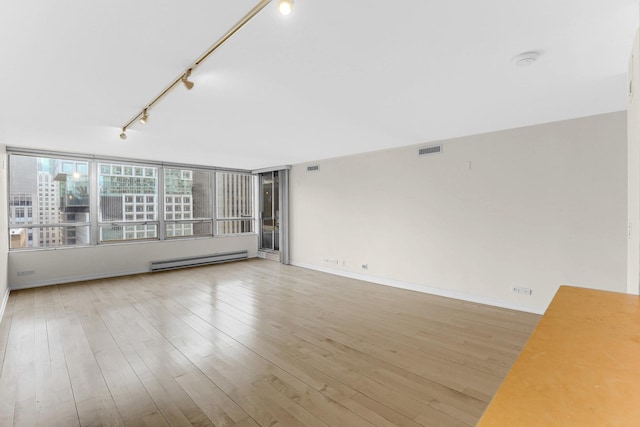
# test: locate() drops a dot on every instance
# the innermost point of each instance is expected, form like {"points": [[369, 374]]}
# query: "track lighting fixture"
{"points": [[187, 83], [284, 6]]}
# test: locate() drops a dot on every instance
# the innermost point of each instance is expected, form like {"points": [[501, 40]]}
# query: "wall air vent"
{"points": [[431, 149], [314, 168]]}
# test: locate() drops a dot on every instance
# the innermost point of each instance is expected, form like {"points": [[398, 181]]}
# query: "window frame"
{"points": [[62, 157], [193, 220], [95, 224], [123, 223], [252, 218]]}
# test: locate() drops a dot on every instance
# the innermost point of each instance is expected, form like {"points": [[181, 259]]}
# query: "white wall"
{"points": [[536, 207], [4, 236], [73, 264], [633, 166]]}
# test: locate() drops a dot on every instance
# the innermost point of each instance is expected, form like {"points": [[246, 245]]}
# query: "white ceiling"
{"points": [[333, 78]]}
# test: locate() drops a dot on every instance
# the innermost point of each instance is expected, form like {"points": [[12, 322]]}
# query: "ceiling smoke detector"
{"points": [[525, 59]]}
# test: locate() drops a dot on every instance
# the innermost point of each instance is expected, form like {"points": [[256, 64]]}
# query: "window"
{"points": [[52, 203], [58, 197], [234, 201], [127, 203], [188, 203], [68, 167]]}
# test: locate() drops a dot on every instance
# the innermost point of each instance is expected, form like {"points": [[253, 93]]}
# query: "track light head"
{"points": [[186, 82], [285, 6]]}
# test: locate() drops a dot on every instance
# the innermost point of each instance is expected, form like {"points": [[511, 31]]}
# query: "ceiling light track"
{"points": [[184, 77]]}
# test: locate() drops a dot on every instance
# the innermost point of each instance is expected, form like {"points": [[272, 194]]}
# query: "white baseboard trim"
{"points": [[463, 296], [5, 299], [72, 279]]}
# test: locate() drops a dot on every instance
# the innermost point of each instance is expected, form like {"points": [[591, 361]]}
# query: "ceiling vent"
{"points": [[314, 168], [430, 150]]}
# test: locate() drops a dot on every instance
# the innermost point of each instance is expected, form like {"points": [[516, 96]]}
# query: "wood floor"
{"points": [[250, 343]]}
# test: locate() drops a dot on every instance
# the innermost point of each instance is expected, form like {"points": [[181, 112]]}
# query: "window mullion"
{"points": [[94, 230], [214, 203], [161, 198]]}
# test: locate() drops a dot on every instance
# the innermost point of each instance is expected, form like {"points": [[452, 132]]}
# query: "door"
{"points": [[269, 211]]}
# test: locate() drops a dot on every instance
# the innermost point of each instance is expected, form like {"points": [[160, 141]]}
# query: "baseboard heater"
{"points": [[172, 264]]}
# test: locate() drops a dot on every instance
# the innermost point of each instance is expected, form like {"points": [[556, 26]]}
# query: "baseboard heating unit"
{"points": [[172, 264]]}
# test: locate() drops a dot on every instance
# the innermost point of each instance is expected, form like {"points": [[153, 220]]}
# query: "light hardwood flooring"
{"points": [[250, 343]]}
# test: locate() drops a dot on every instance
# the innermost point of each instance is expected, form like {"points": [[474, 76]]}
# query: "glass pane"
{"points": [[267, 196], [120, 195], [269, 210], [267, 237], [188, 230], [117, 233], [47, 191], [234, 201], [188, 192], [48, 237], [276, 211], [238, 226]]}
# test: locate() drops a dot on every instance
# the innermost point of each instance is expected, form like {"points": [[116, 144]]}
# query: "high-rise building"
{"points": [[48, 210], [72, 178], [49, 197], [178, 203], [128, 194], [50, 205], [23, 201]]}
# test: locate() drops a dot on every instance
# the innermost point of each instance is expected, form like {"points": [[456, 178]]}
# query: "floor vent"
{"points": [[431, 149], [313, 168], [171, 264]]}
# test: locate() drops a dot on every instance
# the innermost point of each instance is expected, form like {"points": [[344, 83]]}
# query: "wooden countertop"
{"points": [[581, 366]]}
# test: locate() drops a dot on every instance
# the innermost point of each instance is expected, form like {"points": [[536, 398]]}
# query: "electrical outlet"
{"points": [[365, 266], [522, 290]]}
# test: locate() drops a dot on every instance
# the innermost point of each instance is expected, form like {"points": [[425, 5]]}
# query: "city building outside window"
{"points": [[188, 203], [235, 203], [52, 204], [57, 192], [128, 202]]}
